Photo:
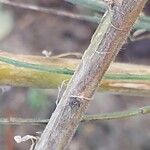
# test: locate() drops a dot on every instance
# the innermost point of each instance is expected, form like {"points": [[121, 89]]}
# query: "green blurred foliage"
{"points": [[6, 22], [36, 98]]}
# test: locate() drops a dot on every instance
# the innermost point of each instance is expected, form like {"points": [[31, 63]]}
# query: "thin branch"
{"points": [[118, 115], [23, 121], [97, 117], [105, 44], [100, 6], [96, 5], [139, 38], [27, 70], [53, 11]]}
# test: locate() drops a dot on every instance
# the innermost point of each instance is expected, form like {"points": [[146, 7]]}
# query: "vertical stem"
{"points": [[105, 44]]}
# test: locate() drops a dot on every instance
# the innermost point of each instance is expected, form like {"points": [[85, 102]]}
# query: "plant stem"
{"points": [[118, 115], [100, 6], [52, 11], [42, 72], [105, 44], [97, 117], [96, 5]]}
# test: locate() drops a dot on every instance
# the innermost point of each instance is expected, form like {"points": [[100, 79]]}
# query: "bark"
{"points": [[105, 44]]}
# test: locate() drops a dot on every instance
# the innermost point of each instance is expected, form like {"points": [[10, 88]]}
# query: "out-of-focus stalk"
{"points": [[42, 72]]}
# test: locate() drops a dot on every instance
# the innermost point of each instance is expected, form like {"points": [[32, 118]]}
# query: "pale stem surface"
{"points": [[105, 44]]}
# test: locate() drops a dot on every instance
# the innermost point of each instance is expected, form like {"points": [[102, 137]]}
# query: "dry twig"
{"points": [[105, 44], [53, 11]]}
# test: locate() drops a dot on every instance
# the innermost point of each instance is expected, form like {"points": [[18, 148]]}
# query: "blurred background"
{"points": [[24, 31]]}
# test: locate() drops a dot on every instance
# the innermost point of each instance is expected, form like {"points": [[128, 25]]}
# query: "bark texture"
{"points": [[105, 44]]}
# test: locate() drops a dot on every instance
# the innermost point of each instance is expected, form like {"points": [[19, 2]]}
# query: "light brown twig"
{"points": [[65, 119]]}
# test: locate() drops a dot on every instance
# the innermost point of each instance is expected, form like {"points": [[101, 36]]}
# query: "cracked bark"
{"points": [[105, 44]]}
